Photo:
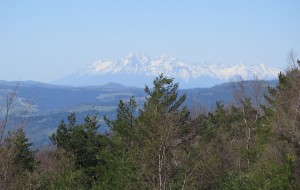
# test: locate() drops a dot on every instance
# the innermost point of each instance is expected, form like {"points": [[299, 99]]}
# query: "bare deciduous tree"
{"points": [[249, 102], [6, 110]]}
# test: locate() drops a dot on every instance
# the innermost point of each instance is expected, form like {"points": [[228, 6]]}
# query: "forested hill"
{"points": [[249, 140], [45, 105]]}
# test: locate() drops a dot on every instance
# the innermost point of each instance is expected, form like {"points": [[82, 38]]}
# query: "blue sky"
{"points": [[45, 40]]}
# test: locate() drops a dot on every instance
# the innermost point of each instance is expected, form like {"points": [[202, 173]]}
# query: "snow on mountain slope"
{"points": [[135, 68]]}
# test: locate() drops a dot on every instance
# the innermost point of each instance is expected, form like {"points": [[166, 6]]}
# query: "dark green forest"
{"points": [[251, 144]]}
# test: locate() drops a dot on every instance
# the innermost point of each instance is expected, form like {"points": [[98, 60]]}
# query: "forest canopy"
{"points": [[251, 144]]}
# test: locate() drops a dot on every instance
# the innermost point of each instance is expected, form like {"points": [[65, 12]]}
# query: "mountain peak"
{"points": [[139, 67]]}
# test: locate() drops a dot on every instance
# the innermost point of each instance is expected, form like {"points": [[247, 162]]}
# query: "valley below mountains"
{"points": [[41, 107]]}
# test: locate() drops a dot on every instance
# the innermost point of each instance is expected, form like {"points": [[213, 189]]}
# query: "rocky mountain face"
{"points": [[139, 69]]}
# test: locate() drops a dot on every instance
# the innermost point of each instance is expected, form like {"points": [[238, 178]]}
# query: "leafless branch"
{"points": [[11, 96], [292, 63]]}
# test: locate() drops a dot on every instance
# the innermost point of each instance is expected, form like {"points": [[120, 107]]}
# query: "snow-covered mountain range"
{"points": [[139, 69]]}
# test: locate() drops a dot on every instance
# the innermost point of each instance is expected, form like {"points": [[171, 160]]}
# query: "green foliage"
{"points": [[100, 161], [83, 142], [124, 125], [64, 177], [24, 157], [164, 132], [17, 161], [159, 146], [151, 136], [267, 177], [163, 96]]}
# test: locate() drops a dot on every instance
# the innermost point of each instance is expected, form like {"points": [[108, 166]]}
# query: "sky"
{"points": [[49, 39]]}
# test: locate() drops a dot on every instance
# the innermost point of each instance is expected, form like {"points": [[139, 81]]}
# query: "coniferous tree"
{"points": [[161, 129], [25, 156], [83, 142]]}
